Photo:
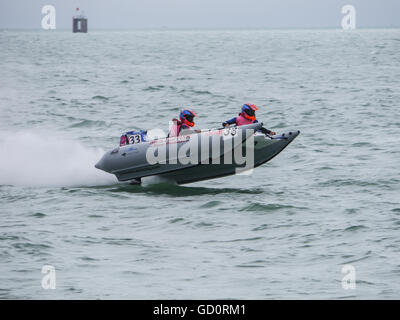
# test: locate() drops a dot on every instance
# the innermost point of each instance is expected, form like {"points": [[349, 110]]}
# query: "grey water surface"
{"points": [[332, 198]]}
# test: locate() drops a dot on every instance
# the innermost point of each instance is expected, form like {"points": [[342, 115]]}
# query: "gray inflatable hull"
{"points": [[194, 157], [264, 150]]}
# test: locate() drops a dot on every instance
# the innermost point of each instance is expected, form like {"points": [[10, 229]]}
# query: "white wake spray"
{"points": [[33, 158]]}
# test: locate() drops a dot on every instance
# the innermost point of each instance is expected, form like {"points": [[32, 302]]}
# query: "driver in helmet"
{"points": [[247, 116], [185, 122]]}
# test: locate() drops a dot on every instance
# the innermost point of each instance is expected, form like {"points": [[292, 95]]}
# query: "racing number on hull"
{"points": [[232, 131], [135, 138]]}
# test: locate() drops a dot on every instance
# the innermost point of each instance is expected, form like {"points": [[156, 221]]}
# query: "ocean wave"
{"points": [[99, 97], [89, 124], [154, 88], [260, 207], [172, 189]]}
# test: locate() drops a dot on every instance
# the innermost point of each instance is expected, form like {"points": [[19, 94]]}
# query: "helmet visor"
{"points": [[250, 112], [189, 118]]}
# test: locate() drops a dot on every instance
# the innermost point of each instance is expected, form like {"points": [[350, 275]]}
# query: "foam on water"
{"points": [[34, 158]]}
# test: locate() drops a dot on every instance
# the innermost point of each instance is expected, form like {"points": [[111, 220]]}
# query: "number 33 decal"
{"points": [[232, 131], [135, 138]]}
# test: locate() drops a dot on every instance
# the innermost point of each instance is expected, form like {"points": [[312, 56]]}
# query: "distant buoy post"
{"points": [[79, 22]]}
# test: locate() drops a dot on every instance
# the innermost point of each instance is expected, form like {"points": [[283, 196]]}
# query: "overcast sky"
{"points": [[123, 14]]}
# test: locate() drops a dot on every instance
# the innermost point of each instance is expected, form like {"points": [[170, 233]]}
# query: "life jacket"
{"points": [[241, 121], [124, 140], [174, 130]]}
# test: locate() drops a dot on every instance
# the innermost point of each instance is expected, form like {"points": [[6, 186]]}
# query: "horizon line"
{"points": [[204, 28]]}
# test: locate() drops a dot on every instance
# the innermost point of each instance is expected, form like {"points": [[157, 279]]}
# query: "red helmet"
{"points": [[186, 116], [249, 111]]}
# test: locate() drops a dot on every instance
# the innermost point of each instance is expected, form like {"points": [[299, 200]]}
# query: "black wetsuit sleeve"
{"points": [[265, 131], [231, 121]]}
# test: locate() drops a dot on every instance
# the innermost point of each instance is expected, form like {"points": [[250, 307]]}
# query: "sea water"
{"points": [[329, 203]]}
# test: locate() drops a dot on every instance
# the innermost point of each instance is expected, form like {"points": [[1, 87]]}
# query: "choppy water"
{"points": [[330, 199]]}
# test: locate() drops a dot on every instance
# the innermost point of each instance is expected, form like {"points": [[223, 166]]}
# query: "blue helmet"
{"points": [[186, 116], [249, 111]]}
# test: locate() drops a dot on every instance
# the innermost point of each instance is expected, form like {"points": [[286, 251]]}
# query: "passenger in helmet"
{"points": [[185, 122], [247, 116]]}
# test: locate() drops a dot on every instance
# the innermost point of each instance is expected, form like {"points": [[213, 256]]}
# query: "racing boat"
{"points": [[192, 156]]}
